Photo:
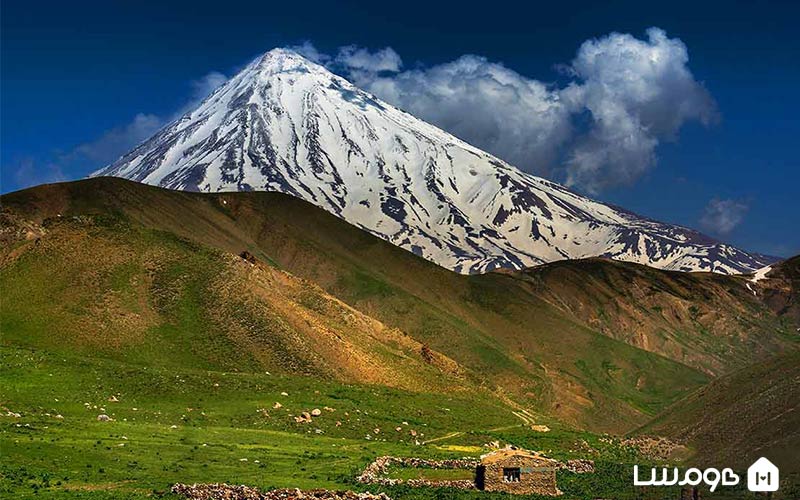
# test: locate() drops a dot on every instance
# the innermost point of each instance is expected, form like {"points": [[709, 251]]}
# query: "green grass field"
{"points": [[206, 426]]}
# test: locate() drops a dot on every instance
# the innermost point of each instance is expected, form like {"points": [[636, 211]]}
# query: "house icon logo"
{"points": [[763, 475]]}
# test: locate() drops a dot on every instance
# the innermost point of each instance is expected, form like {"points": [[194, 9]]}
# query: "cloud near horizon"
{"points": [[721, 216], [112, 143]]}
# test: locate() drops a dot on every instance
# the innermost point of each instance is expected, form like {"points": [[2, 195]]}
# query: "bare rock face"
{"points": [[779, 285], [287, 124]]}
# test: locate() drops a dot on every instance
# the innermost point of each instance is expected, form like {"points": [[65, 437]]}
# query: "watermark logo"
{"points": [[763, 475]]}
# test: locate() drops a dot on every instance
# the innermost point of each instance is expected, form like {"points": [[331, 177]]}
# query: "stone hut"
{"points": [[517, 471]]}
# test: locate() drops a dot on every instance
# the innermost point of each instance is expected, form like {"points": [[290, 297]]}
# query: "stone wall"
{"points": [[375, 472], [538, 473], [537, 476], [222, 491]]}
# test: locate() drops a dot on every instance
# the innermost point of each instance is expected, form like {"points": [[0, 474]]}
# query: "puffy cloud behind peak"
{"points": [[361, 59], [639, 93], [484, 103], [601, 129]]}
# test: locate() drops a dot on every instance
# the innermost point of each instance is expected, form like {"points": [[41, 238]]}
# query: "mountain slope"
{"points": [[707, 321], [740, 417], [779, 286], [101, 285], [286, 124], [505, 331]]}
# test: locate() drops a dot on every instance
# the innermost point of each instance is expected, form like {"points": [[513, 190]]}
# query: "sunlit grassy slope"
{"points": [[115, 290], [193, 425], [512, 332]]}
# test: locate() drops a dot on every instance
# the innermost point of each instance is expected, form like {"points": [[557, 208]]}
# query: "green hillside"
{"points": [[101, 286], [199, 311], [519, 332]]}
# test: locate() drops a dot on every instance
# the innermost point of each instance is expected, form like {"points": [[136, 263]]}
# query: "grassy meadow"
{"points": [[189, 426]]}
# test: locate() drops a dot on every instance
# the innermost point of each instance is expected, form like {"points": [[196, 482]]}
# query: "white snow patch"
{"points": [[760, 274]]}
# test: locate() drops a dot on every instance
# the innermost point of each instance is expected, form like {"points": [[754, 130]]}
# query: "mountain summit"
{"points": [[287, 124]]}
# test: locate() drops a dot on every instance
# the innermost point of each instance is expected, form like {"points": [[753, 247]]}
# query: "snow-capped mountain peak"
{"points": [[287, 124]]}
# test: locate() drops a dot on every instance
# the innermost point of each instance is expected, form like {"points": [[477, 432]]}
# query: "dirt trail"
{"points": [[442, 438], [524, 415]]}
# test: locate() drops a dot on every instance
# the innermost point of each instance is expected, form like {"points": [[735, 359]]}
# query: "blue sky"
{"points": [[81, 81]]}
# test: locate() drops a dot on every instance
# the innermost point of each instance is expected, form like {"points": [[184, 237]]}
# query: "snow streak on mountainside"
{"points": [[286, 124]]}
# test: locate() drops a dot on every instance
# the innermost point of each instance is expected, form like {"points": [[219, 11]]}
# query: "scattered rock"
{"points": [[316, 412], [103, 418], [579, 466], [304, 417], [655, 447], [247, 256], [222, 491], [540, 428], [277, 406]]}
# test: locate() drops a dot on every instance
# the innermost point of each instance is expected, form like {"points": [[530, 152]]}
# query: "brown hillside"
{"points": [[98, 285], [740, 417], [522, 333]]}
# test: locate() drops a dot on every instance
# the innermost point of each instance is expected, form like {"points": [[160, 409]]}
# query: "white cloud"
{"points": [[356, 58], [204, 86], [722, 216], [309, 51], [600, 130], [626, 96], [119, 140], [28, 172], [493, 107], [638, 93]]}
